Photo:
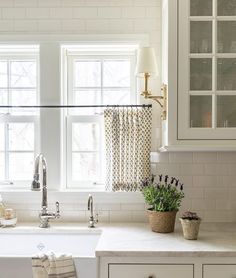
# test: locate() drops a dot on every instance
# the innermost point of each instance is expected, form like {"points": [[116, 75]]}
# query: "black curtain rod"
{"points": [[74, 106]]}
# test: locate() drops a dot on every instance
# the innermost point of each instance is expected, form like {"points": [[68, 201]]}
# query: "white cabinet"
{"points": [[219, 271], [150, 271], [199, 66]]}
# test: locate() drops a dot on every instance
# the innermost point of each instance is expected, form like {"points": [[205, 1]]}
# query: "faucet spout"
{"points": [[92, 220], [44, 215]]}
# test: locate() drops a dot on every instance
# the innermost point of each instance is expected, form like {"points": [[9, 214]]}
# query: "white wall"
{"points": [[209, 177]]}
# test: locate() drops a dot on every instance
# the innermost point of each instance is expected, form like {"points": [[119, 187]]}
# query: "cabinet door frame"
{"points": [[185, 132]]}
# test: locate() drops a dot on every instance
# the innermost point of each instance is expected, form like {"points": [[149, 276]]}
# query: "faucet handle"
{"points": [[57, 209]]}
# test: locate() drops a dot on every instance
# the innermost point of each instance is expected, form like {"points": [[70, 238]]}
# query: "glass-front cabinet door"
{"points": [[207, 69]]}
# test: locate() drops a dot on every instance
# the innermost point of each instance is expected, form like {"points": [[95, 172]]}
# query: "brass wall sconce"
{"points": [[147, 67]]}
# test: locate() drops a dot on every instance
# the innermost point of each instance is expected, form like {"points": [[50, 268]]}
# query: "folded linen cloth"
{"points": [[53, 265]]}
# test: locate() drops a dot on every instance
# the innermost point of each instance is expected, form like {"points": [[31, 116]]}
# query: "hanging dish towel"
{"points": [[53, 265]]}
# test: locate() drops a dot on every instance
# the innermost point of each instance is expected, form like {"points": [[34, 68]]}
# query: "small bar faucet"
{"points": [[92, 220], [44, 215]]}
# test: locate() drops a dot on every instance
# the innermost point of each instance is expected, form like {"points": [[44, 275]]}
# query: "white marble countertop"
{"points": [[137, 240]]}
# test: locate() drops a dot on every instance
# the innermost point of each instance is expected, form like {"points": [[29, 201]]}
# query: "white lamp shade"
{"points": [[146, 61]]}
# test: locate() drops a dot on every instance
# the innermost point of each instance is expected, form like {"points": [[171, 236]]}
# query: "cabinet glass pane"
{"points": [[200, 111], [200, 7], [226, 7], [226, 37], [201, 37], [226, 74], [200, 74], [226, 111]]}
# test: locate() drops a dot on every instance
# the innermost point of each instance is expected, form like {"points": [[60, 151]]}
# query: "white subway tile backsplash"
{"points": [[204, 157], [216, 169], [216, 193], [122, 27], [16, 13], [168, 169], [153, 12], [226, 157], [205, 181], [97, 25], [191, 169], [181, 157], [61, 13], [50, 3], [6, 25], [49, 25], [24, 3], [85, 12], [109, 12], [133, 12], [73, 25], [6, 3], [38, 13], [121, 216]]}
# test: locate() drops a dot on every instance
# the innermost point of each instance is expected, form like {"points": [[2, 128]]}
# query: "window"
{"points": [[18, 86], [96, 75]]}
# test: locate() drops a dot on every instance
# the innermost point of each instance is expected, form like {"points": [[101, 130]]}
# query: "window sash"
{"points": [[8, 118], [71, 88]]}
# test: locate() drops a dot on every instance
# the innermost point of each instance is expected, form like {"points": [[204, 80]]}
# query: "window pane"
{"points": [[226, 36], [200, 111], [116, 97], [21, 166], [87, 73], [226, 7], [201, 36], [23, 74], [85, 167], [201, 7], [2, 166], [2, 137], [226, 72], [226, 111], [116, 73], [3, 74], [24, 97], [21, 136], [88, 97], [201, 74], [85, 136]]}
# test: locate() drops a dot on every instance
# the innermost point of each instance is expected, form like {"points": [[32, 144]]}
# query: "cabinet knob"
{"points": [[151, 276]]}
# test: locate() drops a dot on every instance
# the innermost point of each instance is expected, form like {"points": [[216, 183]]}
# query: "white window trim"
{"points": [[81, 52], [21, 51], [55, 181]]}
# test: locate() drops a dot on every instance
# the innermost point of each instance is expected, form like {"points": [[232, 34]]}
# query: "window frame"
{"points": [[16, 52], [101, 55], [52, 80]]}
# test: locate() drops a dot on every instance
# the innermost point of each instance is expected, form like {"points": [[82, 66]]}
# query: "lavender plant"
{"points": [[164, 195]]}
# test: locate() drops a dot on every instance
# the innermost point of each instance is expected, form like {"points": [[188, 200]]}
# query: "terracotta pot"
{"points": [[162, 221], [190, 228]]}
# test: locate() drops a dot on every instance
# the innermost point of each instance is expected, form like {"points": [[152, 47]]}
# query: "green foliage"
{"points": [[163, 196]]}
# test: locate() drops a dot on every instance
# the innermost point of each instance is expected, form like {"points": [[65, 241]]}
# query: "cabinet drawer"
{"points": [[150, 270], [219, 271]]}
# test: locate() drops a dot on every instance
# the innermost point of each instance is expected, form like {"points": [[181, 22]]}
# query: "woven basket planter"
{"points": [[162, 222], [190, 228]]}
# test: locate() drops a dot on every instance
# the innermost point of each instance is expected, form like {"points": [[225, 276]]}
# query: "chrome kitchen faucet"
{"points": [[44, 215]]}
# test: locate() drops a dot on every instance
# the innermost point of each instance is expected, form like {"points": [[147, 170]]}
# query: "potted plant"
{"points": [[164, 198], [190, 222]]}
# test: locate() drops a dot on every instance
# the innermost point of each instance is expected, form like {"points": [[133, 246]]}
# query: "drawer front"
{"points": [[150, 271], [219, 271]]}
